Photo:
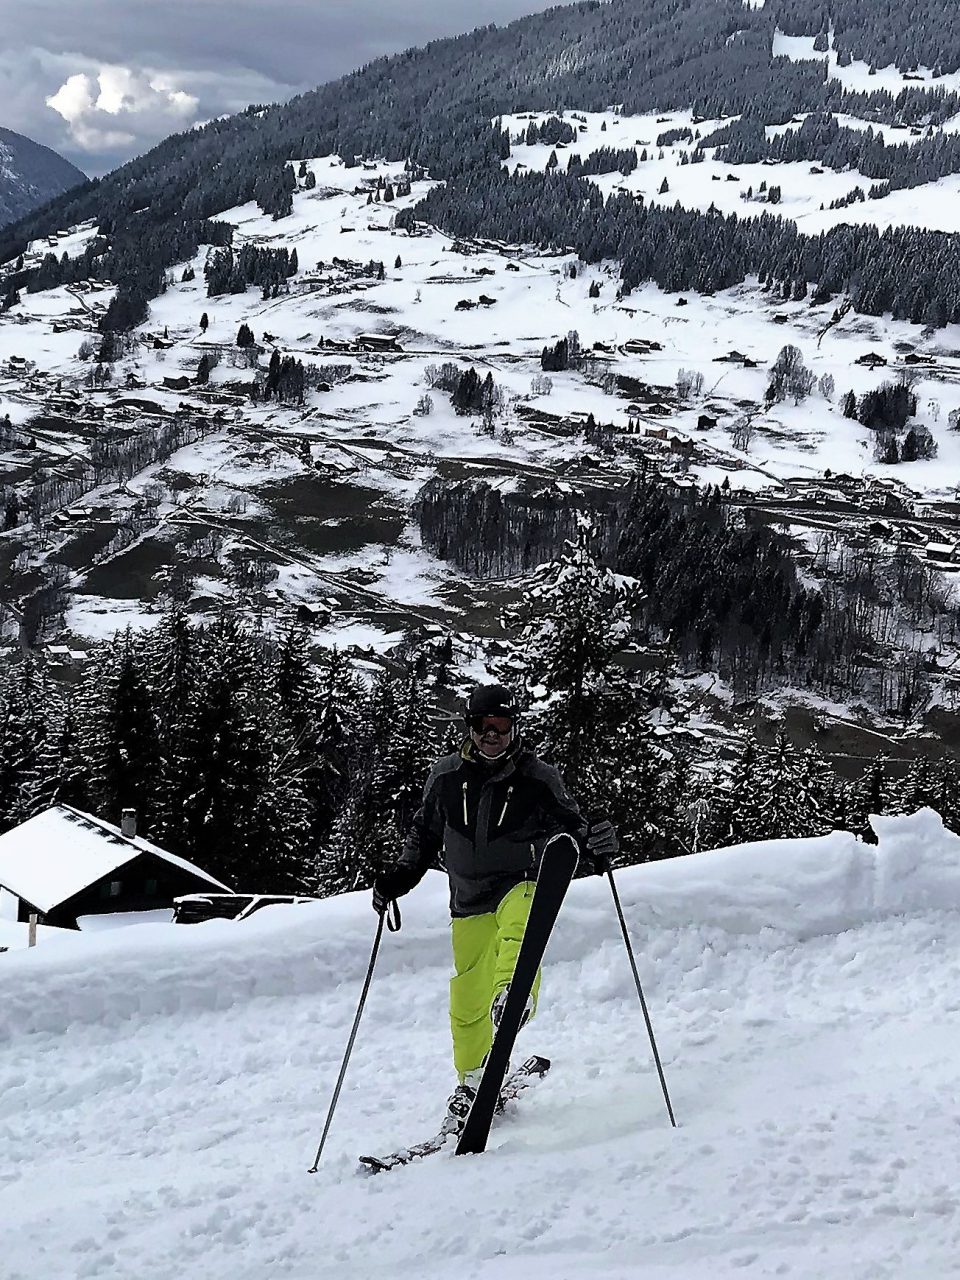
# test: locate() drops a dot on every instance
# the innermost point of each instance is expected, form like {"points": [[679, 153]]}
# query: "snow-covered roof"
{"points": [[51, 857]]}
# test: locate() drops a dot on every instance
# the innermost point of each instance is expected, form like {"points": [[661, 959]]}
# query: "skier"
{"points": [[488, 811]]}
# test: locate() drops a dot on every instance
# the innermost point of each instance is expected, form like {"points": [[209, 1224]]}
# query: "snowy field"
{"points": [[162, 1088], [857, 77], [807, 188]]}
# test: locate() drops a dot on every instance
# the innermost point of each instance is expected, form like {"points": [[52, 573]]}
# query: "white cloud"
{"points": [[127, 73], [111, 107]]}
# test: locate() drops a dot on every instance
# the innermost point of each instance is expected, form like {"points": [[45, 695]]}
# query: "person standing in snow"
{"points": [[488, 812]]}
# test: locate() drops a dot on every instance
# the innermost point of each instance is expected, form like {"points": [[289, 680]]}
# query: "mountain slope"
{"points": [[30, 175], [164, 1087], [436, 105]]}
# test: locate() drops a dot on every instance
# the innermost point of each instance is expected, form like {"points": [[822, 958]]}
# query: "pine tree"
{"points": [[587, 715], [225, 760], [394, 752], [27, 759], [129, 763], [73, 772], [174, 656], [873, 793]]}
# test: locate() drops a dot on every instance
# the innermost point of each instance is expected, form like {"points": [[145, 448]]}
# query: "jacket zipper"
{"points": [[466, 817], [503, 811]]}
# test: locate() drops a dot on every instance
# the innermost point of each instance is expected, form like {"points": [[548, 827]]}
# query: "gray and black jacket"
{"points": [[488, 824]]}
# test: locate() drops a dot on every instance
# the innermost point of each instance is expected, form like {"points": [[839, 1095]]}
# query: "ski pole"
{"points": [[643, 1003], [392, 917]]}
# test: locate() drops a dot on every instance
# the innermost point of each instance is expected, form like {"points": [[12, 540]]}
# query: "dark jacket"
{"points": [[488, 823]]}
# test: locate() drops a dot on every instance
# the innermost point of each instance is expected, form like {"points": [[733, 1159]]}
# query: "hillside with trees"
{"points": [[438, 106]]}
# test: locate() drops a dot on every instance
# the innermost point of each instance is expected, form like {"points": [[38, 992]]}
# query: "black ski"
{"points": [[557, 866], [533, 1069]]}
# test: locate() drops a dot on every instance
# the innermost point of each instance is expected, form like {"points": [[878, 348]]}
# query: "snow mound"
{"points": [[805, 887], [796, 888]]}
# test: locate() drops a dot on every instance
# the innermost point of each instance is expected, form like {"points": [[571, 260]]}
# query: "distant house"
{"points": [[945, 552], [64, 864], [378, 342], [705, 422], [61, 655], [641, 346], [871, 359], [314, 614], [680, 483]]}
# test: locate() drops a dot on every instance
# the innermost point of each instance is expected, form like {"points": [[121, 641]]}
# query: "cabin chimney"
{"points": [[128, 823]]}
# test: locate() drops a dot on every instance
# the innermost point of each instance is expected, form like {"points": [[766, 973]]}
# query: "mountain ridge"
{"points": [[30, 176]]}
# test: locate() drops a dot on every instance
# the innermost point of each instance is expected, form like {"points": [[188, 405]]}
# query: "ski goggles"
{"points": [[499, 724]]}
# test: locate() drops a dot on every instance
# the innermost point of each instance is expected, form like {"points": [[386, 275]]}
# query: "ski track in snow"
{"points": [[162, 1089]]}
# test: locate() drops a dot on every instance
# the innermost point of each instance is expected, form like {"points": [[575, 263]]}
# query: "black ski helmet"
{"points": [[491, 700]]}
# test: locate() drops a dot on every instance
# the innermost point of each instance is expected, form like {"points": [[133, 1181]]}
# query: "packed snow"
{"points": [[163, 1087]]}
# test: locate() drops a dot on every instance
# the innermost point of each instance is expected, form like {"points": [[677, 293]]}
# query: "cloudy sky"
{"points": [[102, 80]]}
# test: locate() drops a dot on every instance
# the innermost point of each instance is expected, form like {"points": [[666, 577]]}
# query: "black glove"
{"points": [[391, 883], [602, 844]]}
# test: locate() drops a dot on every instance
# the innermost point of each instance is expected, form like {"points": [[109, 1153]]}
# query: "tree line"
{"points": [[683, 250], [720, 589], [277, 771], [877, 33], [821, 138]]}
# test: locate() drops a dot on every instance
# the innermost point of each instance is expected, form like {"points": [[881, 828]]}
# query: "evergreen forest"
{"points": [[277, 773]]}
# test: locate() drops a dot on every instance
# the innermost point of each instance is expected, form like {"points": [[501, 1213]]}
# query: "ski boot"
{"points": [[496, 1009], [459, 1104]]}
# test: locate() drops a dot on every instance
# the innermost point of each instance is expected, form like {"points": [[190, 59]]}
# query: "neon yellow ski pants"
{"points": [[485, 950]]}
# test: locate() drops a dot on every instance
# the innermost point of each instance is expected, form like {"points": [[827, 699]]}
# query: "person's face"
{"points": [[491, 734]]}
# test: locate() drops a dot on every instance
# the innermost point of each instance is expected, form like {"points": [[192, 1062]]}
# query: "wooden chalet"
{"points": [[65, 864]]}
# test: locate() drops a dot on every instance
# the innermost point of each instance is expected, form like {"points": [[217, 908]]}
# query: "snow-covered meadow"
{"points": [[363, 436], [162, 1087]]}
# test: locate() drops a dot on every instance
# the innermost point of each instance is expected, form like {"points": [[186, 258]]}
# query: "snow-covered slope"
{"points": [[162, 1088], [363, 431]]}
